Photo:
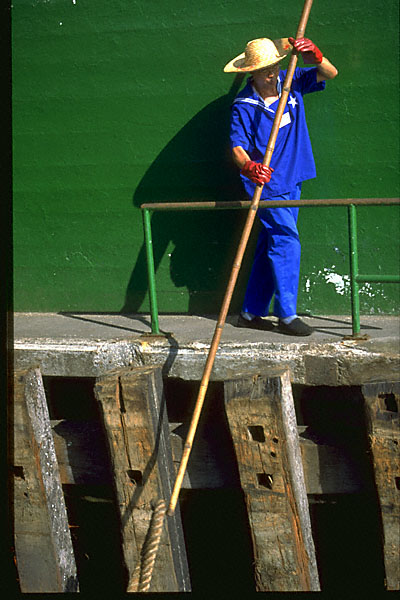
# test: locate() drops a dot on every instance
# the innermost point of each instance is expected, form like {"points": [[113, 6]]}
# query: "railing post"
{"points": [[150, 271], [355, 300]]}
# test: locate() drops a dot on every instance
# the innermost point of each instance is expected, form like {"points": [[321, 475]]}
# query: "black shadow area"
{"points": [[195, 165]]}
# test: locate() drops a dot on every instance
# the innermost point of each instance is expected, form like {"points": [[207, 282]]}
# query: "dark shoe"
{"points": [[255, 323], [295, 327]]}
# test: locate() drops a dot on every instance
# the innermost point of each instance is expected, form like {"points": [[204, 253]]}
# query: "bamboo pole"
{"points": [[236, 266]]}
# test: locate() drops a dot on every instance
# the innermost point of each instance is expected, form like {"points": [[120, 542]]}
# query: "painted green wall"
{"points": [[121, 102]]}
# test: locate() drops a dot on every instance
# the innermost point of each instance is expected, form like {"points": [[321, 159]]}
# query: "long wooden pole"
{"points": [[236, 266]]}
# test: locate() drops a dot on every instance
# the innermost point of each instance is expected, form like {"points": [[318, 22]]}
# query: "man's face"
{"points": [[269, 75]]}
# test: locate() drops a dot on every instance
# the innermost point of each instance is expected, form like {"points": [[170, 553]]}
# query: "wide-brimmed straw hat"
{"points": [[259, 53]]}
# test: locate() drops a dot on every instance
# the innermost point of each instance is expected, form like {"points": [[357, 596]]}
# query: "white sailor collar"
{"points": [[257, 100]]}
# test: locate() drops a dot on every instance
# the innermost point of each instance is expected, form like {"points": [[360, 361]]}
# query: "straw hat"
{"points": [[259, 53]]}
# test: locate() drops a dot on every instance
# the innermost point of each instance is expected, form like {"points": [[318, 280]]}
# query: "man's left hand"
{"points": [[310, 53]]}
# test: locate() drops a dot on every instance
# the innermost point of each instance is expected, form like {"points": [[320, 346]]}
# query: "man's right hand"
{"points": [[257, 172]]}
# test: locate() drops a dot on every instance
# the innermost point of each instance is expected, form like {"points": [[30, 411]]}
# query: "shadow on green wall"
{"points": [[195, 165]]}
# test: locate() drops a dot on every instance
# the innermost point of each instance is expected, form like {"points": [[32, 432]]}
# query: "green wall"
{"points": [[121, 102]]}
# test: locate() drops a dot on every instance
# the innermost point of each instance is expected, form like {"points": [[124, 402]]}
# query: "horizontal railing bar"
{"points": [[238, 204], [377, 278]]}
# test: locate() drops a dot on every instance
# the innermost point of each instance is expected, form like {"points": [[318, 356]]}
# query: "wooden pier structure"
{"points": [[249, 440]]}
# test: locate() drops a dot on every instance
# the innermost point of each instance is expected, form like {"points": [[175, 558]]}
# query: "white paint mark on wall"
{"points": [[78, 255], [367, 290], [341, 282], [342, 285]]}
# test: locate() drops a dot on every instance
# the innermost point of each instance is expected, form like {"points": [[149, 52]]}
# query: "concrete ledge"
{"points": [[76, 358], [92, 345]]}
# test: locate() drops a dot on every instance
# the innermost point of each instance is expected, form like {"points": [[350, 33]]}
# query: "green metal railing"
{"points": [[351, 203]]}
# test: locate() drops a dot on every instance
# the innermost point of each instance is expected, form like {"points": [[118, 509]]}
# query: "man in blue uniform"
{"points": [[276, 266]]}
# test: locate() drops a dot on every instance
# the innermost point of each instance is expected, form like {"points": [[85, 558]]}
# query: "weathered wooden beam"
{"points": [[382, 406], [262, 421], [80, 452], [134, 412], [43, 547], [328, 469]]}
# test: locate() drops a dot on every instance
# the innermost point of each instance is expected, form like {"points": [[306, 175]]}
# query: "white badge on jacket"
{"points": [[285, 120]]}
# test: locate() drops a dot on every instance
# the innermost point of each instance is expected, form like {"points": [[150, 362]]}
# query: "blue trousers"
{"points": [[276, 265]]}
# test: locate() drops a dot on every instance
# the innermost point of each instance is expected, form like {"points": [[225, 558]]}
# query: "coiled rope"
{"points": [[145, 567]]}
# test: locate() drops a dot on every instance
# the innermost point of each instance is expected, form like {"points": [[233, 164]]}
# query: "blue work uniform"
{"points": [[276, 263]]}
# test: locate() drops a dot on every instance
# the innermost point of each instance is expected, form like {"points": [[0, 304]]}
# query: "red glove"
{"points": [[310, 53], [256, 172]]}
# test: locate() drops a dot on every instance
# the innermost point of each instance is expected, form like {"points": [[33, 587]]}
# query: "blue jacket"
{"points": [[251, 124]]}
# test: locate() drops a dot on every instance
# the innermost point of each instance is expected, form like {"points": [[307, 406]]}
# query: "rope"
{"points": [[149, 550]]}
